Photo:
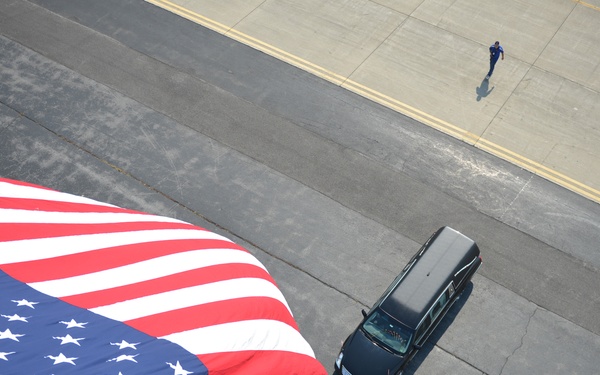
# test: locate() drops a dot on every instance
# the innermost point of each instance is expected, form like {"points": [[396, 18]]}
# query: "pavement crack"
{"points": [[522, 339], [508, 206]]}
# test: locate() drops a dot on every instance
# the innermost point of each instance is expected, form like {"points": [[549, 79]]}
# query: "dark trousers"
{"points": [[492, 65]]}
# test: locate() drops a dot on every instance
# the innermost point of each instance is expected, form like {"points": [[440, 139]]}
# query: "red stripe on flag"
{"points": [[261, 363], [103, 259], [29, 231], [227, 311], [248, 310], [180, 280]]}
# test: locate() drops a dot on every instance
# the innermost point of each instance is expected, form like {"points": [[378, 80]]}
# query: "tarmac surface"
{"points": [[127, 103], [428, 58]]}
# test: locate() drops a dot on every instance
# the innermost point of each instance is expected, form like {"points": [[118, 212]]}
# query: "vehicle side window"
{"points": [[442, 301], [422, 329], [439, 305]]}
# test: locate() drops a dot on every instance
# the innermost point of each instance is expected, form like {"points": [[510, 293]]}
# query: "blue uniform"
{"points": [[495, 52], [494, 56]]}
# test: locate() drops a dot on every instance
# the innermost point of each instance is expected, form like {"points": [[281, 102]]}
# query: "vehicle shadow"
{"points": [[439, 331]]}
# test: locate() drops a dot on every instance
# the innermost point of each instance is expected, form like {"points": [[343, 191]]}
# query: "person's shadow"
{"points": [[483, 90]]}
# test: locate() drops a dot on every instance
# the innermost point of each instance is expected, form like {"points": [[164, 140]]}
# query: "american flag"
{"points": [[91, 288]]}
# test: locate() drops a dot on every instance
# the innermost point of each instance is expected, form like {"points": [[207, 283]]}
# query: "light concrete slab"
{"points": [[487, 330], [441, 74], [440, 362], [228, 13], [554, 121], [405, 6], [337, 36], [524, 28], [553, 345], [574, 52], [433, 11]]}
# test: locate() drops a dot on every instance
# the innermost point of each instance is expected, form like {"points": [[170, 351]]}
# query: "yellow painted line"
{"points": [[389, 102], [190, 15], [477, 141], [250, 41], [412, 112], [587, 5], [287, 57]]}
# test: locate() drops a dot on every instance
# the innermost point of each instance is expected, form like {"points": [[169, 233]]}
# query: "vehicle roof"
{"points": [[447, 252]]}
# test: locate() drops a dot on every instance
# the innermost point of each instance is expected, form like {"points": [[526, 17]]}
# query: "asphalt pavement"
{"points": [[427, 59], [124, 102]]}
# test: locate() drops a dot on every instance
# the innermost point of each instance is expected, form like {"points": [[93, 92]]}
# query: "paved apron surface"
{"points": [[124, 102], [427, 59]]}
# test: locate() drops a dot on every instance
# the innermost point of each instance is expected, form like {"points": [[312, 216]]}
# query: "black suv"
{"points": [[402, 319]]}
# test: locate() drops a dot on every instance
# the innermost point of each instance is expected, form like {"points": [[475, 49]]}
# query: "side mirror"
{"points": [[418, 347], [364, 313]]}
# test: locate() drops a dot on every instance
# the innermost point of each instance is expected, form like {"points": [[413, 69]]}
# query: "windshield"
{"points": [[388, 331]]}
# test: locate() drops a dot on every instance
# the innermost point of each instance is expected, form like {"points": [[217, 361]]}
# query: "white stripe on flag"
{"points": [[248, 334], [46, 217], [44, 248], [192, 296], [8, 190], [143, 271]]}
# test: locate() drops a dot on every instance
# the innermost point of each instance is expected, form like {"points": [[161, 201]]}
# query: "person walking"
{"points": [[495, 51]]}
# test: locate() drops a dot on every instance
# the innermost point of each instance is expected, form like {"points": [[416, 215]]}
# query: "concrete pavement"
{"points": [[427, 59]]}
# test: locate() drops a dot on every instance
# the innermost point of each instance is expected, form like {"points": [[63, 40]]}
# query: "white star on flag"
{"points": [[178, 369], [24, 302], [4, 354], [124, 344], [61, 358], [16, 317], [7, 334], [124, 357], [68, 340], [73, 324]]}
